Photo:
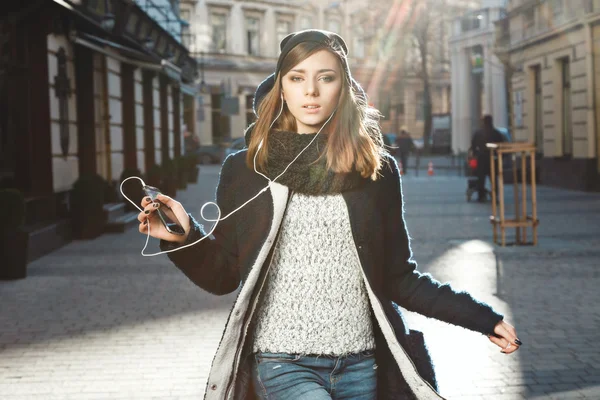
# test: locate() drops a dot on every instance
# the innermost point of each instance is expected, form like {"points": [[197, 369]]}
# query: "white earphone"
{"points": [[216, 205]]}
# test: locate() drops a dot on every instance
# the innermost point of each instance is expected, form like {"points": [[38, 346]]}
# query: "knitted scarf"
{"points": [[305, 175]]}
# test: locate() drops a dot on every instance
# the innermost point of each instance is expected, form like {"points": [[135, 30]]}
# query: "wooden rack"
{"points": [[521, 221]]}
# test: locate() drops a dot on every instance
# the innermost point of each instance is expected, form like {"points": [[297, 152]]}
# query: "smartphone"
{"points": [[165, 213]]}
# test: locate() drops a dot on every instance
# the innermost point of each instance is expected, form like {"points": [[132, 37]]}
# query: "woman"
{"points": [[322, 252]]}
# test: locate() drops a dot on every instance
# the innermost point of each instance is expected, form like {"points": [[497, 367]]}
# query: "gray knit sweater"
{"points": [[315, 300]]}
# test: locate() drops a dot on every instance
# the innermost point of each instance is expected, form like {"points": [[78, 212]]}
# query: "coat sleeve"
{"points": [[212, 264], [420, 292]]}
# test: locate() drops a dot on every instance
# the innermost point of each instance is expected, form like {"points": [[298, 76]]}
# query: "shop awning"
{"points": [[128, 55]]}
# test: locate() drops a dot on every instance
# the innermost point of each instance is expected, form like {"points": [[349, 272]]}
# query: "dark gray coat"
{"points": [[239, 253]]}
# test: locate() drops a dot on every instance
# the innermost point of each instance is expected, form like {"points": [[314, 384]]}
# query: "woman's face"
{"points": [[312, 89]]}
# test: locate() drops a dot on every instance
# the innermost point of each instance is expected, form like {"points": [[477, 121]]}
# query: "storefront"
{"points": [[89, 86]]}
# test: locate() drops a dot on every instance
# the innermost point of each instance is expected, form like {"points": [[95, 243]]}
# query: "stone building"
{"points": [[236, 45], [86, 86], [478, 76], [553, 49]]}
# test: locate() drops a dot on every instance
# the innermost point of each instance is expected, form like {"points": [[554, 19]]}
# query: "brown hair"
{"points": [[354, 136]]}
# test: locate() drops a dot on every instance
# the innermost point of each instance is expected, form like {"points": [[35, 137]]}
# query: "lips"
{"points": [[311, 108]]}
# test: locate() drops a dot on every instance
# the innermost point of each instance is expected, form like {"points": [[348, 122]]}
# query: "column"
{"points": [[270, 27], [148, 100], [128, 106], [86, 134], [176, 99]]}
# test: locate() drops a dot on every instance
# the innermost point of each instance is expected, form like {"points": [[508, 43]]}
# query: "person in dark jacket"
{"points": [[487, 134], [311, 232], [405, 146]]}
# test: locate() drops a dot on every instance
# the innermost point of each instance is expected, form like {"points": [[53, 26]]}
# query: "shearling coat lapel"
{"points": [[226, 362]]}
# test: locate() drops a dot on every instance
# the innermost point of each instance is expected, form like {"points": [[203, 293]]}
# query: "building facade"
{"points": [[236, 45], [553, 49], [478, 75], [87, 87]]}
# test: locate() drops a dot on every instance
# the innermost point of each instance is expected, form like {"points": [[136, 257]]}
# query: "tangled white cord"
{"points": [[216, 221]]}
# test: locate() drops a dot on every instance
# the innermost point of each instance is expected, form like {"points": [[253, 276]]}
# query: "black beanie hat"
{"points": [[294, 39]]}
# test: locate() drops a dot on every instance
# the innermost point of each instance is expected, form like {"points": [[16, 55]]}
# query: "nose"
{"points": [[311, 88]]}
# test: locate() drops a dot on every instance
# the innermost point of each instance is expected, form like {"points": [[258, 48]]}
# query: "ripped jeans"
{"points": [[294, 377]]}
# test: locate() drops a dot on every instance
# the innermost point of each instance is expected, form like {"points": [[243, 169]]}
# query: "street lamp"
{"points": [[108, 19], [108, 22]]}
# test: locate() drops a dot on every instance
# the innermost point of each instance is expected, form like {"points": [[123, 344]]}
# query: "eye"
{"points": [[295, 79], [327, 78]]}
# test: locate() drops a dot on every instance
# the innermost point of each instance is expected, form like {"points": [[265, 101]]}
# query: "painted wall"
{"points": [[547, 54]]}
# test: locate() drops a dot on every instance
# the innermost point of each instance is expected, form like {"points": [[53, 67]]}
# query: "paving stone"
{"points": [[97, 320]]}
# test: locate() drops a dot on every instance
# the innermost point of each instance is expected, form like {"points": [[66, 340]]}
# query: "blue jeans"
{"points": [[294, 377]]}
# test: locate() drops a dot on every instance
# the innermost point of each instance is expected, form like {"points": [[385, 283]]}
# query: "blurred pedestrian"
{"points": [[405, 145], [190, 141], [312, 234], [486, 134]]}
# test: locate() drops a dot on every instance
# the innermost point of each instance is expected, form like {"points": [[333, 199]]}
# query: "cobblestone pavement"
{"points": [[96, 320]]}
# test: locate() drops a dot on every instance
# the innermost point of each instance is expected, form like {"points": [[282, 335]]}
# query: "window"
{"points": [[470, 22], [186, 36], [253, 36], [400, 109], [132, 23], [556, 6], [250, 116], [359, 42], [567, 132], [539, 123], [284, 27], [305, 23], [220, 123], [333, 25], [100, 7], [218, 22], [385, 105], [420, 107]]}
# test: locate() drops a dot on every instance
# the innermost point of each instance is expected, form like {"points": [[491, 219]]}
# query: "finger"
{"points": [[143, 227], [498, 341], [510, 348], [509, 333], [145, 201], [151, 207], [506, 346], [143, 215], [168, 201], [177, 208]]}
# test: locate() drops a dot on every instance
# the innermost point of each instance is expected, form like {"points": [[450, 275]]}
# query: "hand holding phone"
{"points": [[166, 217]]}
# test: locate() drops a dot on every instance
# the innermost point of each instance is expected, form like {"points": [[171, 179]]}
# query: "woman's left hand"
{"points": [[506, 338]]}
